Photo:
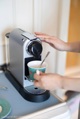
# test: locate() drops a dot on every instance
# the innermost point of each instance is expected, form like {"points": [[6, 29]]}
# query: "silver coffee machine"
{"points": [[23, 48]]}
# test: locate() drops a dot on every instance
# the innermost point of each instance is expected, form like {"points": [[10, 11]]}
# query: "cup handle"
{"points": [[38, 72]]}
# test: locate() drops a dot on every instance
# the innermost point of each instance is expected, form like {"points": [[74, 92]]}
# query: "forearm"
{"points": [[73, 47], [71, 84]]}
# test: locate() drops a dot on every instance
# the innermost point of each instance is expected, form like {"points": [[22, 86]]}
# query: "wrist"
{"points": [[67, 47], [70, 47], [62, 82]]}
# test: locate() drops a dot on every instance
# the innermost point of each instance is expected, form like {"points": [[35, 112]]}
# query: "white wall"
{"points": [[48, 16]]}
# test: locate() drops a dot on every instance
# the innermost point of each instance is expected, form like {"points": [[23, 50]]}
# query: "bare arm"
{"points": [[59, 44], [71, 84]]}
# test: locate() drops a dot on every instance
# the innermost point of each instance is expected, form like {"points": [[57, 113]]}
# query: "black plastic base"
{"points": [[25, 94]]}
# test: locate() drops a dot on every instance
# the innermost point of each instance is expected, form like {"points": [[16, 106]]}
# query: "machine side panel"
{"points": [[16, 60], [16, 35]]}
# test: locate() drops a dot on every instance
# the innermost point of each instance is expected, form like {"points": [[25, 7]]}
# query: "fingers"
{"points": [[37, 84], [37, 81], [39, 33], [37, 77], [46, 38], [42, 35]]}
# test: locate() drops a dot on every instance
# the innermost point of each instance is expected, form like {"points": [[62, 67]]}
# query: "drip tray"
{"points": [[34, 90]]}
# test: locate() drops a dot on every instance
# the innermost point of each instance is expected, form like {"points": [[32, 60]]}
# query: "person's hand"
{"points": [[53, 41], [48, 81]]}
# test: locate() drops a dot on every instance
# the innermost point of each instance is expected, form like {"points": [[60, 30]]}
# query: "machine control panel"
{"points": [[29, 35]]}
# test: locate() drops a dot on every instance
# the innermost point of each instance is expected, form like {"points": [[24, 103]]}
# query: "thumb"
{"points": [[38, 72], [37, 75]]}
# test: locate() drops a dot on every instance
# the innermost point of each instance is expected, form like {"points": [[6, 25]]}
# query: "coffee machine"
{"points": [[23, 48]]}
